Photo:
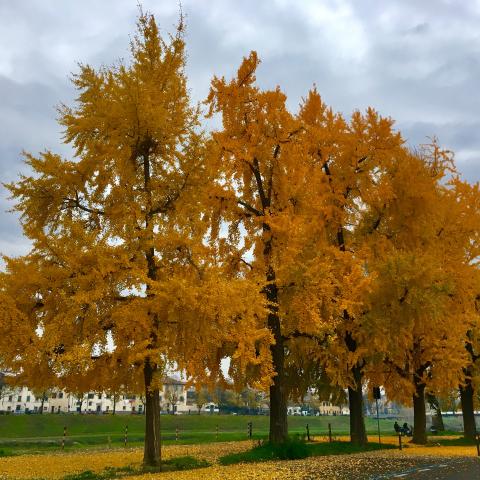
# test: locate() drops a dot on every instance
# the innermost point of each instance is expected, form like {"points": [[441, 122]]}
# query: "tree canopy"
{"points": [[311, 250]]}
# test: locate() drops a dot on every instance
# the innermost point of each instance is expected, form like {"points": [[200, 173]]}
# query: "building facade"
{"points": [[173, 399]]}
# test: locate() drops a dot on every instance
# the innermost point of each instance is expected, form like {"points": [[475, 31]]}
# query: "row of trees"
{"points": [[310, 250]]}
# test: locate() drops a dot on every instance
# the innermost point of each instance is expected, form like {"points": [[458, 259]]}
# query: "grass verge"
{"points": [[296, 448], [450, 442], [4, 452]]}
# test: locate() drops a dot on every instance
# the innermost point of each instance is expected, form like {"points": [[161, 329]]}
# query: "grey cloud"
{"points": [[418, 62]]}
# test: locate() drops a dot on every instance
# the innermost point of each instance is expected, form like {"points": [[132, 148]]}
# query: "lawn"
{"points": [[32, 432], [96, 429]]}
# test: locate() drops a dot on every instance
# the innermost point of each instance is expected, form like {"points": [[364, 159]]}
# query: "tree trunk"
{"points": [[278, 397], [466, 398], [437, 420], [358, 433], [152, 449], [278, 394], [42, 404], [419, 414]]}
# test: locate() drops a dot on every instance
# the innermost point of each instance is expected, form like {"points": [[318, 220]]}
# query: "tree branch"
{"points": [[246, 263], [75, 202], [404, 296], [358, 169], [170, 199], [256, 172], [297, 334], [251, 209]]}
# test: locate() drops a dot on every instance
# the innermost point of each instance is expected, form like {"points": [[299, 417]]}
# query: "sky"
{"points": [[415, 61]]}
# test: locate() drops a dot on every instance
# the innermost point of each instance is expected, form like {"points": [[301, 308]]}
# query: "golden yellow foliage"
{"points": [[120, 277], [305, 247]]}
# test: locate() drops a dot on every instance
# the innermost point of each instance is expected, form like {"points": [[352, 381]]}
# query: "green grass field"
{"points": [[27, 432]]}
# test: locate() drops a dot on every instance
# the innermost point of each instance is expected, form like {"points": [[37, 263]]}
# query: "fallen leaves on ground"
{"points": [[55, 466], [361, 466]]}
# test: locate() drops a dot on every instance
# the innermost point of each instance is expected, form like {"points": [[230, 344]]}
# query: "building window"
{"points": [[17, 408], [91, 395], [124, 407], [10, 398], [19, 399], [90, 404], [28, 398], [60, 395], [54, 395]]}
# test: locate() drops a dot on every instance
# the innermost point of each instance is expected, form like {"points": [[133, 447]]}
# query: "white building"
{"points": [[328, 408], [173, 399], [20, 400]]}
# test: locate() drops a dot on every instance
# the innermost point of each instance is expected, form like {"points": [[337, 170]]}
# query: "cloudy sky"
{"points": [[416, 61]]}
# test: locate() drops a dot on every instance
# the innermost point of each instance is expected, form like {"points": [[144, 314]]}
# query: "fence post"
{"points": [[249, 425], [176, 433], [126, 436], [308, 433], [330, 432], [477, 438], [400, 440], [64, 435]]}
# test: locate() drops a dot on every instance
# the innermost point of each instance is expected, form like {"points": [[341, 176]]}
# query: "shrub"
{"points": [[293, 448], [185, 463]]}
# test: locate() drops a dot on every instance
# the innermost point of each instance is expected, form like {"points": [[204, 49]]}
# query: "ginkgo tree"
{"points": [[294, 244], [468, 224], [423, 298], [276, 201], [354, 157], [120, 275]]}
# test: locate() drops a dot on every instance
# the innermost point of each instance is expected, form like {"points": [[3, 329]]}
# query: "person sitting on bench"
{"points": [[406, 430]]}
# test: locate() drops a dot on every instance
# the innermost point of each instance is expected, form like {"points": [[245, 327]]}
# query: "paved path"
{"points": [[378, 466], [461, 468]]}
